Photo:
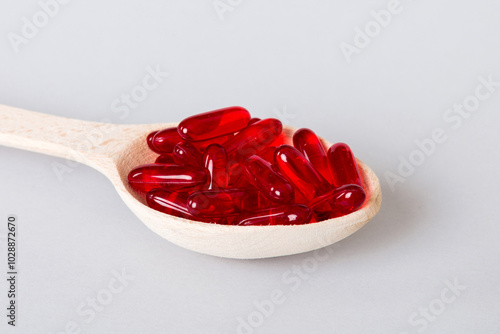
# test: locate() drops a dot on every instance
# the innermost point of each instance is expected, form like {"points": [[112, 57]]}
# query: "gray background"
{"points": [[278, 59]]}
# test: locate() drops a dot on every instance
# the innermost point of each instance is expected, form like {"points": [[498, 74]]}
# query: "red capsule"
{"points": [[165, 140], [306, 141], [165, 158], [175, 204], [346, 199], [214, 123], [215, 161], [186, 154], [300, 173], [343, 167], [169, 202], [272, 185], [224, 202], [254, 138], [339, 202], [294, 214], [149, 140], [148, 177]]}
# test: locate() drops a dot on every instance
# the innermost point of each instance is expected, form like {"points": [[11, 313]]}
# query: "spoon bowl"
{"points": [[115, 150]]}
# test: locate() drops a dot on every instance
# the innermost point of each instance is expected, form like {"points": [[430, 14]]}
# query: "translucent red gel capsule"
{"points": [[223, 167], [343, 166], [273, 186], [347, 199], [215, 161], [148, 177], [308, 143], [165, 140], [338, 202], [186, 154], [300, 172], [214, 123], [220, 203], [149, 140], [169, 202], [293, 214], [165, 158], [254, 138]]}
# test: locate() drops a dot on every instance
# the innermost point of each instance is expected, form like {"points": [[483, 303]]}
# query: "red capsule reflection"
{"points": [[215, 161], [343, 167], [148, 177], [300, 173], [307, 143], [214, 123], [272, 185], [294, 214]]}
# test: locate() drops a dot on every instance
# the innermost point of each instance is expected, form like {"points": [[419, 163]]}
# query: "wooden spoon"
{"points": [[115, 149]]}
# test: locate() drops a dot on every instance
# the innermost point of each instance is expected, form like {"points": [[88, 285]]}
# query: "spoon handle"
{"points": [[81, 141]]}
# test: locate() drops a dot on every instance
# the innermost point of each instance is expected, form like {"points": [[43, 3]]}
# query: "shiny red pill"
{"points": [[165, 158], [272, 185], [343, 167], [215, 161], [148, 177], [149, 140], [254, 139], [293, 214], [186, 154], [169, 202], [165, 140], [224, 202], [308, 143], [346, 199], [300, 172], [338, 202], [214, 123]]}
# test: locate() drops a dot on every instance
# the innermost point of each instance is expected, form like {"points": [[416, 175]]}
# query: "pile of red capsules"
{"points": [[228, 168]]}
